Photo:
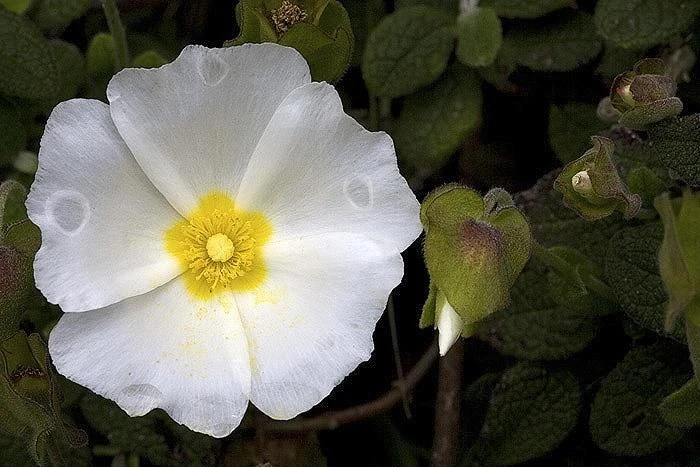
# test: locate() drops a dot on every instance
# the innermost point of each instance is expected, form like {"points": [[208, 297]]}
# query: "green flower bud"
{"points": [[319, 29], [29, 399], [592, 187], [679, 255], [474, 250], [645, 95], [15, 284]]}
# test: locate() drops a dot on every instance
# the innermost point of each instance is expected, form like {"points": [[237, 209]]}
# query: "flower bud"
{"points": [[474, 250], [645, 95], [29, 397], [319, 29], [592, 187], [15, 283]]}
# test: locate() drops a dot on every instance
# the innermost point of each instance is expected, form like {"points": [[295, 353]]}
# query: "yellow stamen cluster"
{"points": [[219, 247], [287, 15]]}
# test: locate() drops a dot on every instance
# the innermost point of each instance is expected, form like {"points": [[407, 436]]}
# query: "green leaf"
{"points": [[567, 43], [682, 408], [644, 181], [407, 50], [479, 37], [631, 269], [571, 127], [676, 143], [53, 16], [70, 65], [527, 8], [640, 24], [625, 418], [27, 67], [538, 324], [13, 136], [531, 411], [435, 120]]}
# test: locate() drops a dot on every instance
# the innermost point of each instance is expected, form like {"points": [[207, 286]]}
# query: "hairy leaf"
{"points": [[564, 45], [676, 143], [479, 37], [631, 269], [625, 419], [435, 120], [27, 67], [531, 411], [640, 24], [682, 408], [538, 325], [407, 50]]}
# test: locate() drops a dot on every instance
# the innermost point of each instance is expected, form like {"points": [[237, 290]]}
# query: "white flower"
{"points": [[222, 232]]}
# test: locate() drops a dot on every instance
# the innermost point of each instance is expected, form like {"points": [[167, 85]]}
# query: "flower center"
{"points": [[218, 246], [287, 15]]}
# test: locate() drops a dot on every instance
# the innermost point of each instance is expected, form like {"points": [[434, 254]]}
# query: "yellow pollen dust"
{"points": [[219, 247]]}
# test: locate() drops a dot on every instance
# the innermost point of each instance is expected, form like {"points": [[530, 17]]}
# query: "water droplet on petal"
{"points": [[141, 397], [68, 211], [359, 192], [212, 69]]}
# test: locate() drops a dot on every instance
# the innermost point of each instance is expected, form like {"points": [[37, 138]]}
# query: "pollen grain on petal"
{"points": [[219, 247]]}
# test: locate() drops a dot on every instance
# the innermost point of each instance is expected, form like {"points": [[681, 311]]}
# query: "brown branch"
{"points": [[333, 419], [447, 407]]}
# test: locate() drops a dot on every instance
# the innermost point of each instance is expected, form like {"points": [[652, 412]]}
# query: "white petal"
{"points": [[161, 349], [316, 170], [101, 220], [193, 124], [449, 324], [311, 324]]}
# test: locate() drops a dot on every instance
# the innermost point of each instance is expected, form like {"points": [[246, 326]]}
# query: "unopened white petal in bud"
{"points": [[582, 183], [448, 323]]}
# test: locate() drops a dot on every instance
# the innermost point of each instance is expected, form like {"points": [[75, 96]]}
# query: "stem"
{"points": [[447, 407], [333, 419], [121, 50], [565, 269], [397, 354]]}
